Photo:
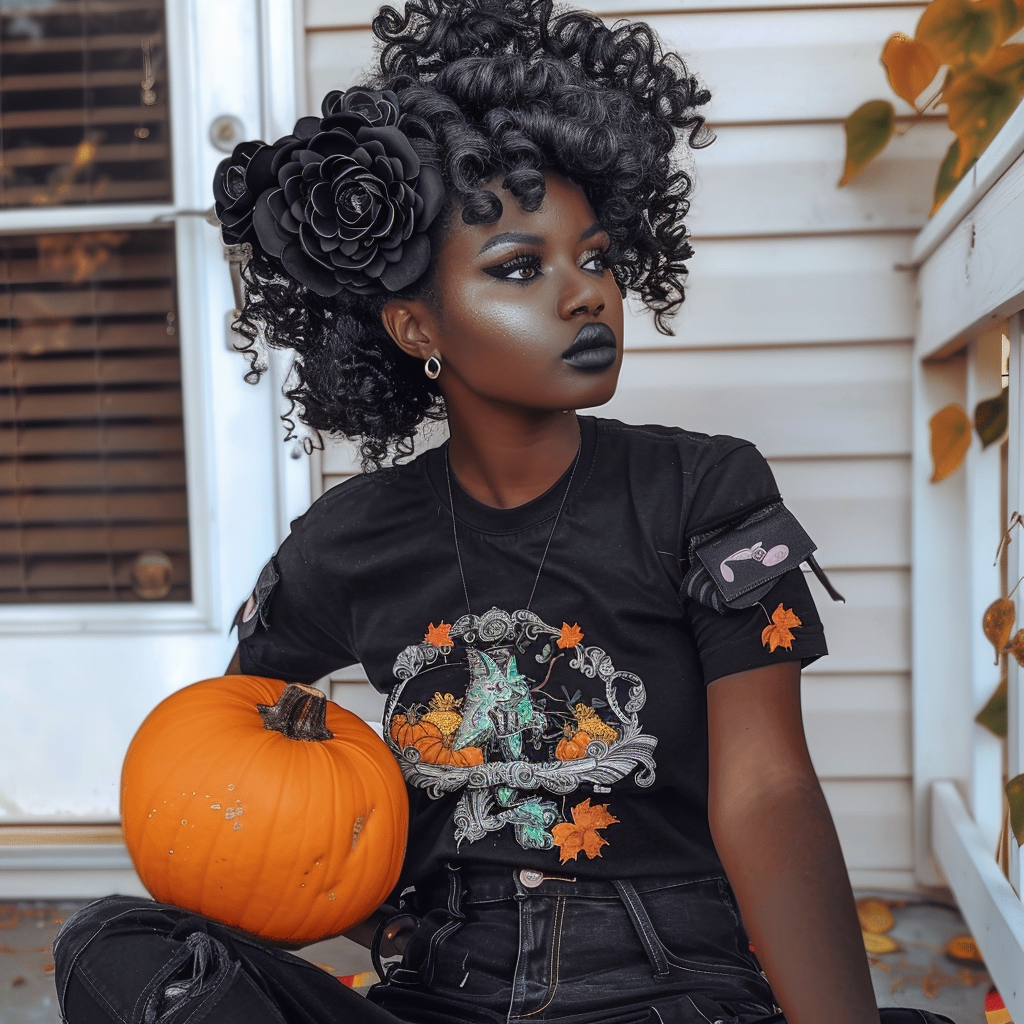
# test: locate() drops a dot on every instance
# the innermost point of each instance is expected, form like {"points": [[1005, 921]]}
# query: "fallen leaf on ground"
{"points": [[879, 944], [874, 915]]}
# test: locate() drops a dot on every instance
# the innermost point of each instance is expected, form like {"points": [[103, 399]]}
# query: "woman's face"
{"points": [[528, 312]]}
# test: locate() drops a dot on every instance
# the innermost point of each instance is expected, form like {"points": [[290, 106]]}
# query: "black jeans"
{"points": [[495, 947]]}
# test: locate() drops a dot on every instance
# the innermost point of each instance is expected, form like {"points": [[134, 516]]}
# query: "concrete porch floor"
{"points": [[918, 973]]}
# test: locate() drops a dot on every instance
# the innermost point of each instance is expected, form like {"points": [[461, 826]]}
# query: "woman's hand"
{"points": [[775, 836]]}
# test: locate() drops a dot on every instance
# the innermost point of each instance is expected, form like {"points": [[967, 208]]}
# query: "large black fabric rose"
{"points": [[354, 203], [243, 177]]}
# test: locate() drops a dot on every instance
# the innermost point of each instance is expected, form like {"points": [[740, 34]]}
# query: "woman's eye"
{"points": [[597, 261], [520, 268]]}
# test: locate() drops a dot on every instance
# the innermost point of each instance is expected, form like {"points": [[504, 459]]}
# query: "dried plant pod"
{"points": [[997, 623], [875, 916], [1016, 647], [877, 944]]}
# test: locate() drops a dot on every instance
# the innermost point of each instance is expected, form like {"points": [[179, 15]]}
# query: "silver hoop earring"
{"points": [[432, 367]]}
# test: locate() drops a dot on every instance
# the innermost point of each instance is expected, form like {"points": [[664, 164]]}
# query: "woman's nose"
{"points": [[581, 296]]}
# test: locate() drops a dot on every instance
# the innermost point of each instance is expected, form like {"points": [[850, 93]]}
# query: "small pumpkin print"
{"points": [[433, 746], [573, 745]]}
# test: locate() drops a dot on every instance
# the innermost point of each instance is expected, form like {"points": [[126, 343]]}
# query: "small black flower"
{"points": [[358, 108], [354, 202], [241, 178]]}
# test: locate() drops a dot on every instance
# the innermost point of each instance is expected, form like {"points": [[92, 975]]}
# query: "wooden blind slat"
{"points": [[37, 305], [31, 540], [66, 474], [90, 439], [58, 9], [80, 571], [108, 405], [57, 508], [98, 192], [63, 337], [87, 78], [61, 264], [103, 369], [47, 155], [76, 117], [71, 44]]}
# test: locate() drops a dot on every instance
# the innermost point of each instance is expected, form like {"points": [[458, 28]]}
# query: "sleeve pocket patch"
{"points": [[736, 566], [257, 605]]}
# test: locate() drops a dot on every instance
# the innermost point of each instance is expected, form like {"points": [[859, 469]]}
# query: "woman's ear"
{"points": [[411, 327]]}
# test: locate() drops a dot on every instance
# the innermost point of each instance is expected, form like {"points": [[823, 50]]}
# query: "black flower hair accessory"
{"points": [[343, 202], [244, 176]]}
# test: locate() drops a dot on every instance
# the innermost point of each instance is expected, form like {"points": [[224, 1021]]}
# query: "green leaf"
{"points": [[962, 33], [993, 715], [1015, 797], [992, 417], [946, 180], [980, 101], [868, 131]]}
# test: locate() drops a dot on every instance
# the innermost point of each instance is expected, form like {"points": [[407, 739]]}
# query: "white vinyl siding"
{"points": [[796, 334]]}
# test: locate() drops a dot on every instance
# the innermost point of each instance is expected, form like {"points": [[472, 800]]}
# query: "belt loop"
{"points": [[455, 891], [644, 928]]}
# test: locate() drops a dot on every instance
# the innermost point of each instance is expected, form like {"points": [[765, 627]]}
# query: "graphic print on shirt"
{"points": [[511, 741]]}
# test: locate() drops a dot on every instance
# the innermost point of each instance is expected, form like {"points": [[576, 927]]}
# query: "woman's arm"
{"points": [[775, 836]]}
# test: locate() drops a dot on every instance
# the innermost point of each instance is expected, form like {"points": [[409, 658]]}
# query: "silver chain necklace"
{"points": [[543, 557]]}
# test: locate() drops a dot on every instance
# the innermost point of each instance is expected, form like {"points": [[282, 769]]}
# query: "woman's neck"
{"points": [[505, 458]]}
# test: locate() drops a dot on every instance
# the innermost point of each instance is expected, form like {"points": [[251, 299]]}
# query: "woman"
{"points": [[599, 628]]}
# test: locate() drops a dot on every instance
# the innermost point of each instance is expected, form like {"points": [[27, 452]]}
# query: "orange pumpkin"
{"points": [[433, 745], [265, 807], [572, 746]]}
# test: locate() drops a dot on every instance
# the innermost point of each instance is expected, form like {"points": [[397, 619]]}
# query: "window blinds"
{"points": [[83, 102], [92, 470]]}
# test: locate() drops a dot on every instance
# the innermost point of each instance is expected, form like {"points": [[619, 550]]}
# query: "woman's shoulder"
{"points": [[695, 451], [372, 502]]}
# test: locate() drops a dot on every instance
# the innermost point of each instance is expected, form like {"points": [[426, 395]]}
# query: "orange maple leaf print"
{"points": [[582, 835], [438, 635], [570, 636], [778, 633]]}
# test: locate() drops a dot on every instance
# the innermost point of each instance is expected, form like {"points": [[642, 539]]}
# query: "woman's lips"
{"points": [[594, 348]]}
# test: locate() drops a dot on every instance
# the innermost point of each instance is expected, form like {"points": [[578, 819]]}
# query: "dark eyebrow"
{"points": [[513, 237], [594, 229]]}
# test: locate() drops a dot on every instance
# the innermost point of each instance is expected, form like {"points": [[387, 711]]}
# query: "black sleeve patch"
{"points": [[735, 566], [257, 607]]}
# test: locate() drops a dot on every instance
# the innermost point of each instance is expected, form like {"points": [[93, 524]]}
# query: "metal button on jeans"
{"points": [[531, 878]]}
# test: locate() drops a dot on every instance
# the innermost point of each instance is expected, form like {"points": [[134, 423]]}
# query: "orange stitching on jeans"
{"points": [[554, 963]]}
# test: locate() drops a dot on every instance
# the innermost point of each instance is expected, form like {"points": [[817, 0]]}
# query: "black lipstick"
{"points": [[594, 348]]}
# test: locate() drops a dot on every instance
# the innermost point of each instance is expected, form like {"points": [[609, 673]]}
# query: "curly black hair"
{"points": [[509, 89]]}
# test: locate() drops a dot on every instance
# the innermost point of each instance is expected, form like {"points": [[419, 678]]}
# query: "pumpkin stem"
{"points": [[300, 714]]}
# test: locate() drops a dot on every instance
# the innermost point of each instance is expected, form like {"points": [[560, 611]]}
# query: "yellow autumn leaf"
{"points": [[980, 101], [946, 180], [1016, 647], [997, 623], [910, 65], [951, 437], [868, 131], [874, 916], [963, 33], [963, 947], [1015, 797], [877, 944]]}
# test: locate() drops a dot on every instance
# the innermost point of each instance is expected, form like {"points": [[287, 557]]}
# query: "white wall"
{"points": [[796, 334]]}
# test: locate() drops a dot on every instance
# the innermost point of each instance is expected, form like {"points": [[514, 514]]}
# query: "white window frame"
{"points": [[971, 279], [234, 57]]}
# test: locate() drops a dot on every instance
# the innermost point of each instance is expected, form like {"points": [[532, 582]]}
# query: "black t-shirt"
{"points": [[572, 737]]}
